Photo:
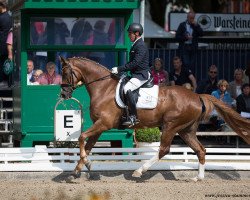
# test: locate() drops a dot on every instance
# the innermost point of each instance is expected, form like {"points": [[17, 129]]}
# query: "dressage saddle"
{"points": [[129, 117]]}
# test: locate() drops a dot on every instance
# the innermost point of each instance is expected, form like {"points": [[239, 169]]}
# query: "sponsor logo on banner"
{"points": [[214, 22]]}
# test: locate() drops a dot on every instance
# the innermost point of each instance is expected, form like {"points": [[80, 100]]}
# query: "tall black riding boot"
{"points": [[132, 118]]}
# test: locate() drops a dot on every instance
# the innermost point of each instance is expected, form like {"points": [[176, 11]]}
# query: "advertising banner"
{"points": [[214, 22]]}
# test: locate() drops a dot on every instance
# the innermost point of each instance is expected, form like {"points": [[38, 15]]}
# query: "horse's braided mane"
{"points": [[86, 59]]}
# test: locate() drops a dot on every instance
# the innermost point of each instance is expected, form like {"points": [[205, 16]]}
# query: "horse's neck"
{"points": [[97, 88], [100, 89]]}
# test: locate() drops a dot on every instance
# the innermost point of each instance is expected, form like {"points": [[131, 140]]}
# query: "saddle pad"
{"points": [[148, 97]]}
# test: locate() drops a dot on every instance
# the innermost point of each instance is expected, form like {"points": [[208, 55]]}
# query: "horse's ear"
{"points": [[63, 61]]}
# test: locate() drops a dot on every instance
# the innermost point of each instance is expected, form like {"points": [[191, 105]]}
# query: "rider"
{"points": [[138, 66]]}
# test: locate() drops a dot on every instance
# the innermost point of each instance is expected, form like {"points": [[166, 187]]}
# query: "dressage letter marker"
{"points": [[65, 121], [67, 125]]}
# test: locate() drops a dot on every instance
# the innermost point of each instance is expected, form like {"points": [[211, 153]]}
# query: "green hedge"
{"points": [[148, 135]]}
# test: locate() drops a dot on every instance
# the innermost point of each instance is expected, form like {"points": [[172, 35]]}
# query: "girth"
{"points": [[203, 108]]}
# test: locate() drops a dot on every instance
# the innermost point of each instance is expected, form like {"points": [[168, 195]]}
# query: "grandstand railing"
{"points": [[41, 158], [227, 55]]}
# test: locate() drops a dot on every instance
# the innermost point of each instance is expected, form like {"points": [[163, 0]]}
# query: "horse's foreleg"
{"points": [[81, 140], [92, 133], [83, 158], [91, 142], [89, 145]]}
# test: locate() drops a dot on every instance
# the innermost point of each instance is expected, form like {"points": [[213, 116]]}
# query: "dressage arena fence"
{"points": [[41, 158]]}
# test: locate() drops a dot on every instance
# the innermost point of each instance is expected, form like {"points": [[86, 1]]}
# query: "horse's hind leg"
{"points": [[166, 140], [190, 138], [138, 173]]}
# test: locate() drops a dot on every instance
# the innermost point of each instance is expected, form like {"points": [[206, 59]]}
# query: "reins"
{"points": [[99, 79]]}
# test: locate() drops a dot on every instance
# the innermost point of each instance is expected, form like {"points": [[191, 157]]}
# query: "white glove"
{"points": [[114, 70]]}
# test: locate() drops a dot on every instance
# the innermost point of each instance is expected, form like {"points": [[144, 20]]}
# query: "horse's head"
{"points": [[70, 79], [81, 71]]}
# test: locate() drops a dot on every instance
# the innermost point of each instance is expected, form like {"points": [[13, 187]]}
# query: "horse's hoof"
{"points": [[137, 174], [195, 179], [88, 165], [85, 176], [71, 179]]}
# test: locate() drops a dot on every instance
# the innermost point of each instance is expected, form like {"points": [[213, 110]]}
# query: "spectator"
{"points": [[114, 37], [209, 85], [5, 26], [181, 75], [159, 74], [82, 34], [37, 73], [30, 72], [223, 95], [236, 84], [100, 37], [61, 33], [112, 33], [187, 34], [247, 73], [50, 77], [9, 43], [38, 33], [81, 31], [39, 36], [243, 100]]}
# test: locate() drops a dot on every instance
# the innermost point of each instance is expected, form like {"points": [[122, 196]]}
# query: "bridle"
{"points": [[73, 74]]}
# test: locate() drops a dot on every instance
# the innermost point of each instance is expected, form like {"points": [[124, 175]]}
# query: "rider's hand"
{"points": [[114, 70]]}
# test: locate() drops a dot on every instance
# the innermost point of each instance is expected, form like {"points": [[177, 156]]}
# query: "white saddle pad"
{"points": [[148, 97]]}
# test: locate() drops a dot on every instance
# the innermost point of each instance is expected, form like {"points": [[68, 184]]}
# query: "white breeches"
{"points": [[133, 84]]}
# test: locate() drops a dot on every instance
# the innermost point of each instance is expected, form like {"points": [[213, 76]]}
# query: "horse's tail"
{"points": [[239, 124]]}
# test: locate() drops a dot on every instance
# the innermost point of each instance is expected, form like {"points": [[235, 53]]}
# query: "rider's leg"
{"points": [[132, 85], [132, 103], [132, 119]]}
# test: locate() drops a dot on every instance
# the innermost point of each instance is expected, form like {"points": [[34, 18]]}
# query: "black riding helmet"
{"points": [[135, 27]]}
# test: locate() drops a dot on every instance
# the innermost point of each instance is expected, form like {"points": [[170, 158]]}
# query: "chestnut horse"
{"points": [[178, 110]]}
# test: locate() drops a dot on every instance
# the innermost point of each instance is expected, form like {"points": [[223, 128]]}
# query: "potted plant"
{"points": [[148, 137]]}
